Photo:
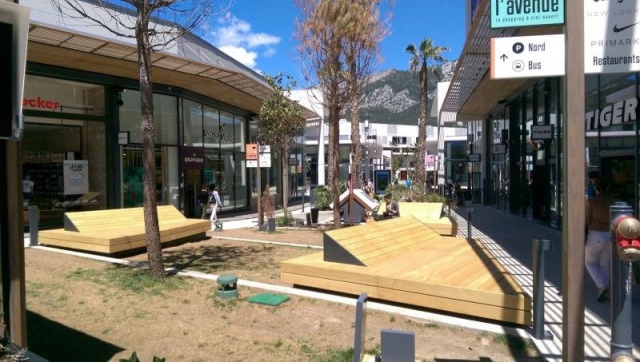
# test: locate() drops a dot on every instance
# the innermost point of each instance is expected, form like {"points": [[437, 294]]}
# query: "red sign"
{"points": [[39, 103], [252, 151]]}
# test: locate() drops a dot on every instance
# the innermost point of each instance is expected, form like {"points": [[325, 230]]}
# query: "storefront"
{"points": [[77, 123]]}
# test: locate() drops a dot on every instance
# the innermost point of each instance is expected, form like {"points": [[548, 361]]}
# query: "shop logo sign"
{"points": [[516, 13], [612, 114], [40, 104], [193, 158], [218, 135]]}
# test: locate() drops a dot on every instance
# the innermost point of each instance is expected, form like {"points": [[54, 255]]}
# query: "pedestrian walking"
{"points": [[597, 250]]}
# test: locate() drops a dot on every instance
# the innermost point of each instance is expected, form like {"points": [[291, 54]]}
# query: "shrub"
{"points": [[323, 197], [284, 220]]}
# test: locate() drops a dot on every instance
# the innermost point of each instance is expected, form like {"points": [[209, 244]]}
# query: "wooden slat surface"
{"points": [[116, 230], [423, 269]]}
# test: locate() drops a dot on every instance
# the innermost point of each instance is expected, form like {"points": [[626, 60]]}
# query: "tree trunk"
{"points": [[334, 159], [356, 146], [285, 180], [420, 177], [152, 230]]}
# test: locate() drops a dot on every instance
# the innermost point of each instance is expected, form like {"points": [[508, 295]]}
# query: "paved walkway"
{"points": [[510, 237]]}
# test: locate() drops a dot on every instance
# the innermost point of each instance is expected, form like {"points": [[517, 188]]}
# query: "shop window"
{"points": [[166, 165], [165, 115], [63, 96], [192, 123]]}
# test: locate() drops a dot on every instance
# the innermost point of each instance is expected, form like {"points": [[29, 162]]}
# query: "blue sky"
{"points": [[259, 33]]}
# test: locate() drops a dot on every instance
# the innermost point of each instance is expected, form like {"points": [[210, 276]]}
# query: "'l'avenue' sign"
{"points": [[517, 13]]}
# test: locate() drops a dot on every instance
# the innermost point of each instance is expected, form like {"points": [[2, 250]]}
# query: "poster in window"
{"points": [[76, 177], [381, 181]]}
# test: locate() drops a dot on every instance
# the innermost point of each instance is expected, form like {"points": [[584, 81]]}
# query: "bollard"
{"points": [[621, 345], [34, 218], [469, 228], [361, 326], [539, 247]]}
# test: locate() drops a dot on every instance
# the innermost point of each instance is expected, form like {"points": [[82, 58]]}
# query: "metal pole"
{"points": [[360, 328], [34, 217], [621, 316], [539, 248], [469, 227], [259, 188]]}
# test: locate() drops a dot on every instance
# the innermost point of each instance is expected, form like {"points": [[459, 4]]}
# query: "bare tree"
{"points": [[279, 123], [422, 59], [364, 32], [154, 24], [334, 45]]}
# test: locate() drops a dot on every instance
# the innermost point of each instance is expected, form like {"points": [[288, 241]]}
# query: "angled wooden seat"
{"points": [[403, 260], [431, 214], [117, 230]]}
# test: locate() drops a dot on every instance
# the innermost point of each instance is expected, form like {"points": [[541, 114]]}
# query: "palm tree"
{"points": [[423, 58]]}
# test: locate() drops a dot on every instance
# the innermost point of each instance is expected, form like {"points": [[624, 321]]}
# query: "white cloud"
{"points": [[234, 37], [242, 55]]}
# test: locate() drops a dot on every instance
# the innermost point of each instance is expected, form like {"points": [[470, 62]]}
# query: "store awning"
{"points": [[229, 84], [472, 94]]}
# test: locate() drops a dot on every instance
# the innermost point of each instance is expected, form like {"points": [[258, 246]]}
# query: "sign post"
{"points": [[573, 143]]}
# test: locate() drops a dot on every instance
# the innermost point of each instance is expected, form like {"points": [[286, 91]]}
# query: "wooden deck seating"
{"points": [[117, 230], [402, 260], [431, 214]]}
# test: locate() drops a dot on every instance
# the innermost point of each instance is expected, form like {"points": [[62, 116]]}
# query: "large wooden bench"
{"points": [[431, 214], [118, 230]]}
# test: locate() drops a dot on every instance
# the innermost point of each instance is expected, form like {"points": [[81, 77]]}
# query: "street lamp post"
{"points": [[366, 142]]}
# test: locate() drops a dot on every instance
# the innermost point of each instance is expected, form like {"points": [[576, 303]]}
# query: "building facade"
{"points": [[515, 127]]}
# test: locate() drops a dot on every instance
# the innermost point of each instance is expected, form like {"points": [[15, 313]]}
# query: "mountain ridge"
{"points": [[392, 96]]}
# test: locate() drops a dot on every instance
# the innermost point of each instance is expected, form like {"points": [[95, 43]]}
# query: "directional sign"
{"points": [[527, 56]]}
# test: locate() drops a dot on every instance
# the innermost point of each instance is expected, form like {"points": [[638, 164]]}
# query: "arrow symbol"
{"points": [[504, 57]]}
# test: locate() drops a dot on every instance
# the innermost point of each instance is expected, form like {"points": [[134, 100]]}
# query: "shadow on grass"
{"points": [[215, 259], [57, 342]]}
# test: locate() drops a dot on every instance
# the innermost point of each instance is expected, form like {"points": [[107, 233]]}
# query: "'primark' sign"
{"points": [[517, 13]]}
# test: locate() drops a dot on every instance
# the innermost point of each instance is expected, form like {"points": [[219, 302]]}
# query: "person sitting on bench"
{"points": [[392, 208]]}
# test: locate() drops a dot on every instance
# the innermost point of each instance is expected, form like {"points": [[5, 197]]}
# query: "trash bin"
{"points": [[271, 224], [312, 194], [314, 215]]}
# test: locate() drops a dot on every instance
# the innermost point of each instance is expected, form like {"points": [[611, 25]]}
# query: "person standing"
{"points": [[216, 204], [203, 200], [593, 177], [597, 249]]}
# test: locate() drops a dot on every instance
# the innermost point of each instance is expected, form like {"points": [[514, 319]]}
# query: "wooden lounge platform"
{"points": [[431, 214], [119, 230], [403, 260]]}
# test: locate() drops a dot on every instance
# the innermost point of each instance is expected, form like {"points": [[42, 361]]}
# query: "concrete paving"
{"points": [[510, 237]]}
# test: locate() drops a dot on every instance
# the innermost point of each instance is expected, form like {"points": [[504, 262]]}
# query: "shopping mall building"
{"points": [[515, 126], [82, 112]]}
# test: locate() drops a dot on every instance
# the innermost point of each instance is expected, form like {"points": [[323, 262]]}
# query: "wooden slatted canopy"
{"points": [[220, 78], [472, 93]]}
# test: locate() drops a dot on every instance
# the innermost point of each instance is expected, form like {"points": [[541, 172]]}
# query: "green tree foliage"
{"points": [[280, 121], [423, 59]]}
